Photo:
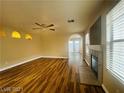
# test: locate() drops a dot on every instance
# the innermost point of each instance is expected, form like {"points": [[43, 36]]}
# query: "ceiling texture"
{"points": [[23, 14]]}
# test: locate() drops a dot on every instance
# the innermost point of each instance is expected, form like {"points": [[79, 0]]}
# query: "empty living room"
{"points": [[61, 46]]}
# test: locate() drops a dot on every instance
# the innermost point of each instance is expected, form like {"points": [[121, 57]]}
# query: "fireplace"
{"points": [[96, 61], [94, 64]]}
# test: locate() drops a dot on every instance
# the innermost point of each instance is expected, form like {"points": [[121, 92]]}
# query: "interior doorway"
{"points": [[75, 44], [75, 49]]}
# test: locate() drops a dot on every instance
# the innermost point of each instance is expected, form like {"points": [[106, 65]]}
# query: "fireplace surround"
{"points": [[96, 62]]}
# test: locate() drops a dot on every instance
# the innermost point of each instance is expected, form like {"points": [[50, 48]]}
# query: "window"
{"points": [[74, 45], [87, 43], [115, 41]]}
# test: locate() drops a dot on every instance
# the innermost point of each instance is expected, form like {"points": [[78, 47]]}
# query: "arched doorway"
{"points": [[75, 44], [75, 49]]}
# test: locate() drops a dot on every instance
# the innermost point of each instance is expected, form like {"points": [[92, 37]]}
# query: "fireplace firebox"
{"points": [[94, 65]]}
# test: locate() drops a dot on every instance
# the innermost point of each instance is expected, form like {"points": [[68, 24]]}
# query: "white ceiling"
{"points": [[22, 14]]}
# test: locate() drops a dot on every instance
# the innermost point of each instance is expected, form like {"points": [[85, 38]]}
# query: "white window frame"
{"points": [[110, 44]]}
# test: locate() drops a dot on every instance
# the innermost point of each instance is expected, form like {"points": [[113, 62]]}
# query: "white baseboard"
{"points": [[54, 57], [26, 61], [104, 88], [86, 61]]}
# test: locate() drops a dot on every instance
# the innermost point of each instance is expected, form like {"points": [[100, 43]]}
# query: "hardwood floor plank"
{"points": [[44, 76]]}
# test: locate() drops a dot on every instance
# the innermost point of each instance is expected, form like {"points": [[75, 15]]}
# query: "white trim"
{"points": [[104, 88], [87, 62], [54, 57], [26, 61], [95, 47]]}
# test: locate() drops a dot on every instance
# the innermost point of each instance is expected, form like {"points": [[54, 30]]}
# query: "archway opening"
{"points": [[75, 44]]}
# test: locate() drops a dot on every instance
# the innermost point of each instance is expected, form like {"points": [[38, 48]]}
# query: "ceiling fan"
{"points": [[44, 26]]}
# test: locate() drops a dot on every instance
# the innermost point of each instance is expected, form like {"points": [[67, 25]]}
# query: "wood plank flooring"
{"points": [[44, 76], [90, 89]]}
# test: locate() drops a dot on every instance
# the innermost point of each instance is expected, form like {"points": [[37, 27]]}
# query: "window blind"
{"points": [[115, 41]]}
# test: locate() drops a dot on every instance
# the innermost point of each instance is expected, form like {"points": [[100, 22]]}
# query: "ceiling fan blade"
{"points": [[52, 29], [41, 25], [36, 28], [38, 24], [50, 25]]}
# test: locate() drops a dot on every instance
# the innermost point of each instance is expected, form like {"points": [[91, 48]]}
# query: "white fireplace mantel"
{"points": [[95, 47]]}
